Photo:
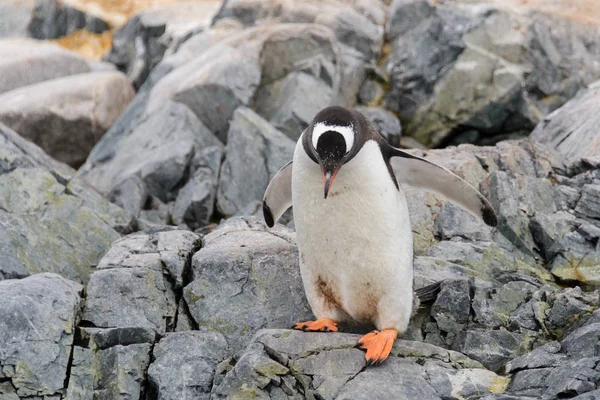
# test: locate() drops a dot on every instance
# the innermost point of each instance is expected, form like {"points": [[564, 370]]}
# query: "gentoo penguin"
{"points": [[352, 224]]}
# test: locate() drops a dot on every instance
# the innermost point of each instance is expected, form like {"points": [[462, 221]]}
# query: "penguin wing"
{"points": [[420, 173], [278, 196]]}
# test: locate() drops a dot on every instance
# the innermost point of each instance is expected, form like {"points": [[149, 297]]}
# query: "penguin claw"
{"points": [[320, 325], [378, 345]]}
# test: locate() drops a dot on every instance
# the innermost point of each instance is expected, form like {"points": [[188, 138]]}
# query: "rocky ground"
{"points": [[148, 273]]}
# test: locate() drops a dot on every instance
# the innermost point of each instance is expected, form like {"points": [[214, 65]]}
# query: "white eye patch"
{"points": [[346, 131]]}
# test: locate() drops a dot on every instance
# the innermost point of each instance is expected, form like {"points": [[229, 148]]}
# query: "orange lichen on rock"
{"points": [[89, 45]]}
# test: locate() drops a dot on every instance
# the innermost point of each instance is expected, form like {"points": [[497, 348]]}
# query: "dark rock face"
{"points": [[51, 19]]}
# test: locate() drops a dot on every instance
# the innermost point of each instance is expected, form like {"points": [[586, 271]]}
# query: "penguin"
{"points": [[352, 224]]}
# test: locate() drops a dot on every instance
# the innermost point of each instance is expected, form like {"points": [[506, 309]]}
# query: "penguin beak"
{"points": [[329, 173]]}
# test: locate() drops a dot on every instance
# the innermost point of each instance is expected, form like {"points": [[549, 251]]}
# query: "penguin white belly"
{"points": [[356, 248]]}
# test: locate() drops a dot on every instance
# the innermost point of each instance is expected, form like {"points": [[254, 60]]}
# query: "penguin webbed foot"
{"points": [[320, 325], [378, 345]]}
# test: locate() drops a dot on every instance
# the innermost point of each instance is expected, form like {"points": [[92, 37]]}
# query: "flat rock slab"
{"points": [[67, 116], [38, 315]]}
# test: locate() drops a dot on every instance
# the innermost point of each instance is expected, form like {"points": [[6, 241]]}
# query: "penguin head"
{"points": [[331, 141]]}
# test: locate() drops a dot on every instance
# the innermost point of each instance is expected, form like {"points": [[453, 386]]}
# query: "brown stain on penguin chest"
{"points": [[331, 297]]}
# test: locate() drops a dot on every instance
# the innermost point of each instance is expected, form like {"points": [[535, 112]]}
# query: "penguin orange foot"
{"points": [[320, 325], [378, 345]]}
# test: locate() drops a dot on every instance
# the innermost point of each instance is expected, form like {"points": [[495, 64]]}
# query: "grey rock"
{"points": [[452, 307], [38, 315], [255, 152], [131, 195], [237, 281], [185, 363], [568, 306], [583, 342], [67, 116], [569, 129], [493, 306], [213, 85], [453, 221], [196, 200], [546, 356], [179, 134], [588, 205], [386, 123], [370, 92], [405, 15], [549, 229], [26, 61], [51, 19], [326, 365], [494, 348], [135, 282], [51, 221]]}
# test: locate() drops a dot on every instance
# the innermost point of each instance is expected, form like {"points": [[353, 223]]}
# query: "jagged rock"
{"points": [[246, 278], [51, 19], [67, 116], [465, 68], [50, 220], [135, 282], [131, 195], [25, 62], [570, 129], [300, 72], [386, 123], [185, 363], [139, 45], [213, 85], [494, 348], [280, 364], [452, 307], [255, 152], [37, 319]]}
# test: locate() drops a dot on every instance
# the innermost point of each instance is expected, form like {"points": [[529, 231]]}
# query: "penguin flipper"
{"points": [[278, 196], [423, 174]]}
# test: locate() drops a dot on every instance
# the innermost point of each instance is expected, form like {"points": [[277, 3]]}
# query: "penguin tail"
{"points": [[428, 294]]}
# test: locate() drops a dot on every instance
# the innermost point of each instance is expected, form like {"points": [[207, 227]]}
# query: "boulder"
{"points": [[13, 19], [50, 220], [25, 62], [255, 152], [38, 315], [386, 123], [67, 116]]}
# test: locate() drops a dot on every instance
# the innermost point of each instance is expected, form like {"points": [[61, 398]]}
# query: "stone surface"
{"points": [[239, 286], [67, 116], [185, 363], [50, 220], [255, 152], [25, 62], [386, 123], [13, 19], [38, 315]]}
